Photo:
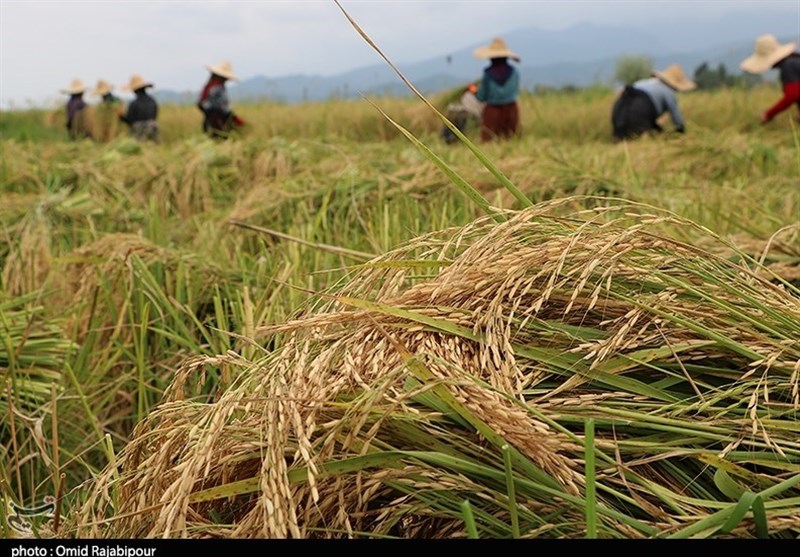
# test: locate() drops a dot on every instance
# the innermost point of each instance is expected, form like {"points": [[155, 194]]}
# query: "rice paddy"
{"points": [[325, 328]]}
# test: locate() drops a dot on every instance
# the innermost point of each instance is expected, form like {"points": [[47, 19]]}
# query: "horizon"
{"points": [[197, 22]]}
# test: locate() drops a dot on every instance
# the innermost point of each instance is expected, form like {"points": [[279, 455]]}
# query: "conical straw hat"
{"points": [[136, 83], [102, 88], [223, 69], [767, 52], [674, 77], [75, 87], [496, 49]]}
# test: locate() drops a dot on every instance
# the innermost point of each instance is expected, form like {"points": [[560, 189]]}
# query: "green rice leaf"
{"points": [[300, 475], [737, 514], [469, 520], [726, 485]]}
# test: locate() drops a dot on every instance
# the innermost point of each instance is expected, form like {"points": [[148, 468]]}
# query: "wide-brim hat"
{"points": [[223, 69], [496, 49], [674, 77], [75, 87], [766, 53], [137, 82], [102, 88]]}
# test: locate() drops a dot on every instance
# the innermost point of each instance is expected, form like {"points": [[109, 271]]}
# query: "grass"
{"points": [[127, 278]]}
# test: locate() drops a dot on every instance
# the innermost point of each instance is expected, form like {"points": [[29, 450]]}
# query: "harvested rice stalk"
{"points": [[388, 404]]}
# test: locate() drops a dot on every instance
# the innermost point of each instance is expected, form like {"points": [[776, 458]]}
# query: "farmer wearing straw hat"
{"points": [[498, 89], [638, 108], [106, 112], [142, 111], [77, 111], [218, 118], [769, 53]]}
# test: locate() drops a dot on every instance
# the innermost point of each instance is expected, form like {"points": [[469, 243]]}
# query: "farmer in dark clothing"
{"points": [[641, 104], [218, 118], [142, 111], [771, 54], [498, 89], [77, 111]]}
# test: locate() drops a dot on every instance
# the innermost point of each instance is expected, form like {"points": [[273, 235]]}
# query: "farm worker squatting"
{"points": [[467, 110], [640, 104]]}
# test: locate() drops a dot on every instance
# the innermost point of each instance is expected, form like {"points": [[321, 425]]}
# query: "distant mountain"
{"points": [[579, 55], [589, 72]]}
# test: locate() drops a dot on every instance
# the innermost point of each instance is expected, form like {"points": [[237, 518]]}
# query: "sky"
{"points": [[44, 44]]}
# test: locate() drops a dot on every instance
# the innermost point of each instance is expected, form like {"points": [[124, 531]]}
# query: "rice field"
{"points": [[328, 328]]}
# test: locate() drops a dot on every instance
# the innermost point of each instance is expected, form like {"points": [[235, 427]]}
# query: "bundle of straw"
{"points": [[466, 366]]}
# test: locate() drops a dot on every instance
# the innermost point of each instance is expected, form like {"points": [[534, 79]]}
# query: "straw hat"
{"points": [[496, 49], [768, 51], [75, 87], [223, 69], [674, 77], [103, 87], [136, 83]]}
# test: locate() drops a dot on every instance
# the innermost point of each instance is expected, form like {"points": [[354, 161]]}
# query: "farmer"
{"points": [[639, 106], [106, 121], [769, 53], [466, 111], [142, 111], [218, 118], [498, 89], [78, 126]]}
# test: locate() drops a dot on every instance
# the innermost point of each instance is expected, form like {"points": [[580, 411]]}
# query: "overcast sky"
{"points": [[44, 44]]}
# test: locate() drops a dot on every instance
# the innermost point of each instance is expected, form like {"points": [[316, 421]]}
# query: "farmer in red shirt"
{"points": [[219, 120], [769, 53]]}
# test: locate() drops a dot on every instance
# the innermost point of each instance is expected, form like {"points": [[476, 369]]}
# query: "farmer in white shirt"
{"points": [[638, 108]]}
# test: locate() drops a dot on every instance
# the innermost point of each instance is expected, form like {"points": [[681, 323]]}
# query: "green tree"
{"points": [[632, 68], [708, 78]]}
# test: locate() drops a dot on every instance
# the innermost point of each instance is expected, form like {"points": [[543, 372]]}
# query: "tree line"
{"points": [[632, 68]]}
